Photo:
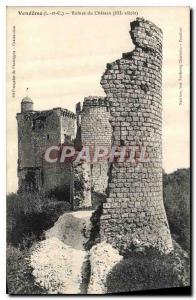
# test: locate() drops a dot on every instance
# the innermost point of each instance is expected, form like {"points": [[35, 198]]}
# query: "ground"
{"points": [[58, 261]]}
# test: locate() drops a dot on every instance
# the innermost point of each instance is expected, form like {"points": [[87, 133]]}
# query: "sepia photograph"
{"points": [[98, 150]]}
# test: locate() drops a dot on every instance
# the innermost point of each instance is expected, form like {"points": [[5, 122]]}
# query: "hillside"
{"points": [[176, 194], [39, 235]]}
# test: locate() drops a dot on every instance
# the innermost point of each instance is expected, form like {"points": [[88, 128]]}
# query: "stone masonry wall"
{"points": [[96, 131], [134, 214], [81, 186], [38, 130]]}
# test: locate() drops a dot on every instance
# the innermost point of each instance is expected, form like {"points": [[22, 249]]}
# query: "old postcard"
{"points": [[98, 147]]}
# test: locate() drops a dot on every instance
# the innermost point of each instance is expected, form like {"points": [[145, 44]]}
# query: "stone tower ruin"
{"points": [[38, 130], [93, 130], [134, 214], [96, 131]]}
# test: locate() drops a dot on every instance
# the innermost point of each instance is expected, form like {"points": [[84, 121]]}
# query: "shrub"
{"points": [[28, 215], [19, 273], [149, 270], [176, 195]]}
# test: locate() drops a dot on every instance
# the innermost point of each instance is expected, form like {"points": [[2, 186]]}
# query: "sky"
{"points": [[61, 58]]}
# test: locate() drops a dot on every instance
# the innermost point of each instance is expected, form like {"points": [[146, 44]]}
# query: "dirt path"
{"points": [[58, 262]]}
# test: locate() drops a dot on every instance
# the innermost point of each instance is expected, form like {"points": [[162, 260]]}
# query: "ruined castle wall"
{"points": [[58, 175], [96, 131], [81, 186], [134, 214], [36, 132], [30, 179], [68, 125]]}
